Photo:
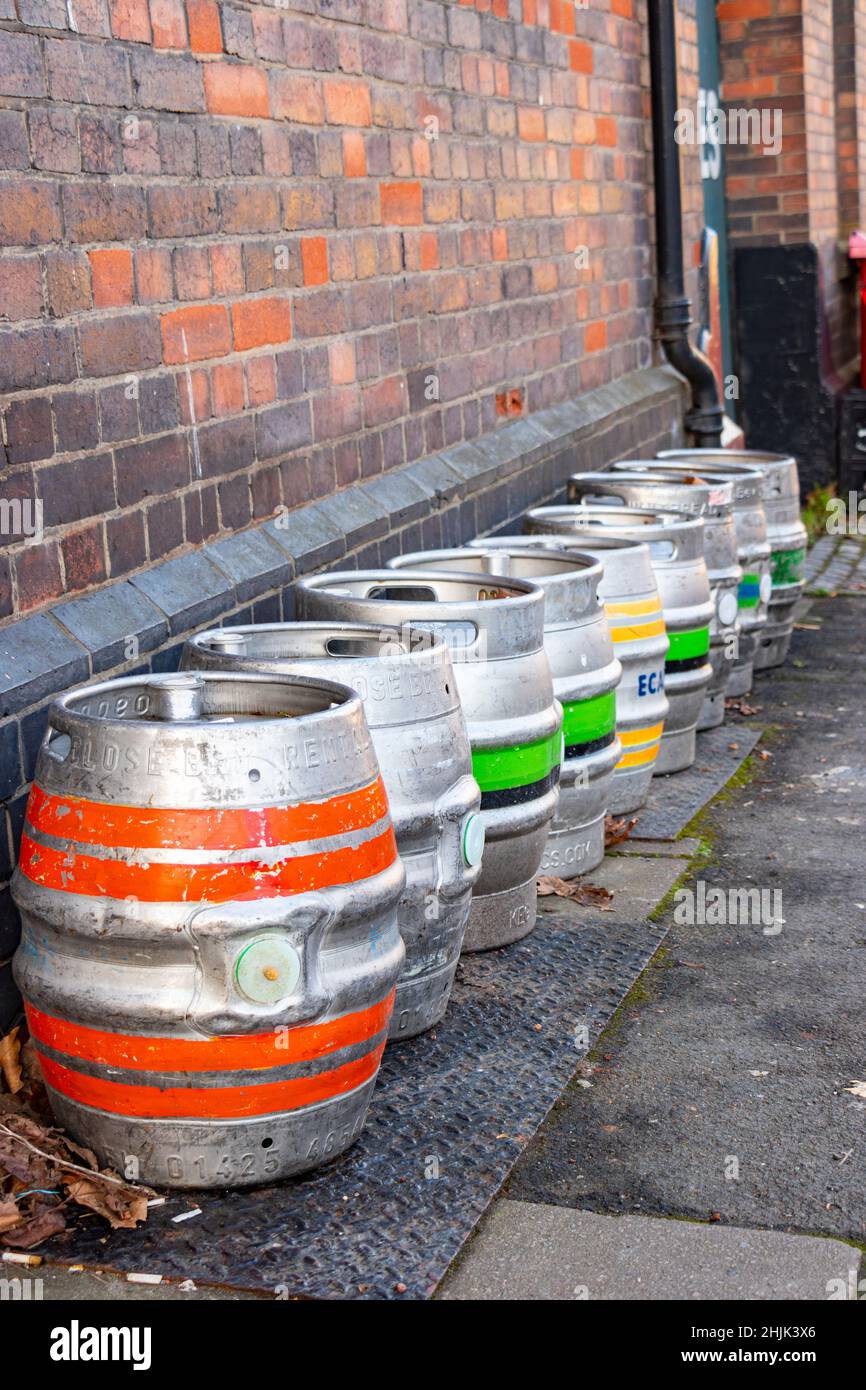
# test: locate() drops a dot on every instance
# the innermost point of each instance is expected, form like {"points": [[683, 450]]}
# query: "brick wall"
{"points": [[253, 253], [788, 56]]}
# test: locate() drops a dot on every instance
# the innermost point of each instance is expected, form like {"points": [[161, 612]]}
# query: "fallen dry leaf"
{"points": [[9, 1216], [857, 1088], [46, 1221], [740, 706], [617, 829], [121, 1206], [587, 894], [10, 1064]]}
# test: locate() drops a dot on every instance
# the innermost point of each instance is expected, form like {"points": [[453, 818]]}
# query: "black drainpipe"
{"points": [[673, 310]]}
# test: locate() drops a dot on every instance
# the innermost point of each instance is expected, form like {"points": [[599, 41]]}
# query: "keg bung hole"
{"points": [[255, 775], [267, 1143]]}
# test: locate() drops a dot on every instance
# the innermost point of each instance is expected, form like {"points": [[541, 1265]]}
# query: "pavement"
{"points": [[716, 1144]]}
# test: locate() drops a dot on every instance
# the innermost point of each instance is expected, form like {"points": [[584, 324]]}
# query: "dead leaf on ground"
{"points": [[587, 894], [121, 1206], [9, 1216], [740, 706], [46, 1221], [10, 1064], [857, 1088], [617, 829], [46, 1173]]}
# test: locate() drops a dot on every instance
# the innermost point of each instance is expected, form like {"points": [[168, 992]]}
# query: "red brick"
{"points": [[530, 122], [259, 322], [347, 103], [29, 213], [117, 343], [227, 388], [384, 401], [153, 276], [354, 155], [580, 58], [181, 210], [297, 99], [595, 336], [194, 334], [227, 269], [261, 381], [20, 287], [111, 277], [83, 558], [194, 396], [130, 20], [314, 258], [342, 361], [37, 571], [205, 34], [103, 212], [233, 89], [401, 204], [605, 130], [250, 207], [191, 272], [67, 276], [168, 23]]}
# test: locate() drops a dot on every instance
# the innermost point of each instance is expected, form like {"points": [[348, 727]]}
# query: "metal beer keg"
{"points": [[676, 547], [414, 716], [634, 613], [585, 676], [648, 485], [208, 886], [785, 532], [495, 632]]}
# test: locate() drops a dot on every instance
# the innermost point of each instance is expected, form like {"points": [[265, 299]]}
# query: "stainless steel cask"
{"points": [[208, 885], [419, 733], [495, 633]]}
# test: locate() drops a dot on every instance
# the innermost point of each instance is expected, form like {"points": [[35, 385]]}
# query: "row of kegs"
{"points": [[237, 883]]}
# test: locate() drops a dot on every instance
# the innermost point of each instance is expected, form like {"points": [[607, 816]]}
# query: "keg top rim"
{"points": [[524, 591], [400, 640], [654, 518], [755, 458], [336, 697], [572, 540], [572, 561], [651, 471]]}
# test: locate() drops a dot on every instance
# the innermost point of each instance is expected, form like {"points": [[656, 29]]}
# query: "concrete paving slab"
{"points": [[665, 849], [638, 884], [526, 1251]]}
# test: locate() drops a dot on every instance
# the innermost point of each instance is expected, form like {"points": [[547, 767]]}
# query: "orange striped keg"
{"points": [[208, 884]]}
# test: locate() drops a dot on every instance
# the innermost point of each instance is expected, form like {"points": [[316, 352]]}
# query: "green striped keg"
{"points": [[494, 628], [585, 676]]}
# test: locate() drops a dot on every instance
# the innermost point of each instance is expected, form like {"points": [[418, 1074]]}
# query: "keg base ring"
{"points": [[772, 653], [712, 711], [497, 919], [677, 752], [740, 680], [421, 1003], [223, 1153], [574, 850]]}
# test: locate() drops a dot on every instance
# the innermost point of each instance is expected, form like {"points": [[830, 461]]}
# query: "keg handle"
{"points": [[601, 499], [257, 963]]}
